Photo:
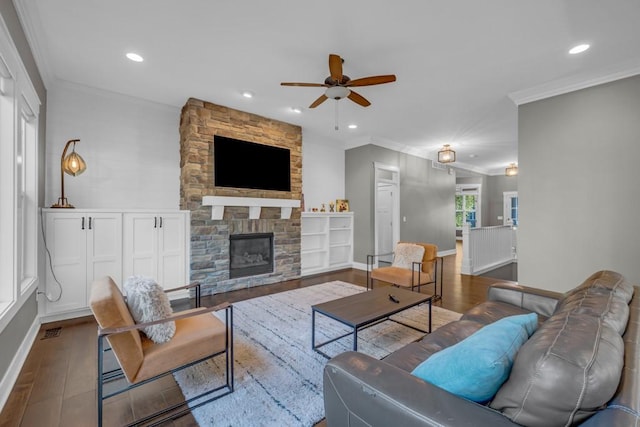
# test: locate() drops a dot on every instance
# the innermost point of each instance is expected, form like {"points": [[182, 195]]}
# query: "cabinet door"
{"points": [[140, 243], [66, 237], [104, 247], [171, 250]]}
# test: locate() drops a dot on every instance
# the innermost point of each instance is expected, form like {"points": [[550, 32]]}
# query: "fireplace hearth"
{"points": [[250, 254]]}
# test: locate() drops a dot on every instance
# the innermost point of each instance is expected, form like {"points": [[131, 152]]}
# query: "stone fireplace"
{"points": [[211, 238]]}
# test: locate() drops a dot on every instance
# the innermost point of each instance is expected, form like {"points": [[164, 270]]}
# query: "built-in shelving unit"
{"points": [[327, 241]]}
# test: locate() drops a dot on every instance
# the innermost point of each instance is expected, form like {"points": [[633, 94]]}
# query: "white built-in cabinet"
{"points": [[154, 246], [327, 241], [87, 244]]}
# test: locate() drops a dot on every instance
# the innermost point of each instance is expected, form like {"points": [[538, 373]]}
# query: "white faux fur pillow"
{"points": [[148, 302], [406, 254]]}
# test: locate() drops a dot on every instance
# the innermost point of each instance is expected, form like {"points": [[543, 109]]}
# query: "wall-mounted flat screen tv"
{"points": [[243, 164]]}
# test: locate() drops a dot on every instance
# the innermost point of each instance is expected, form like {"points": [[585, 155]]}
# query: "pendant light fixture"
{"points": [[446, 155], [511, 170]]}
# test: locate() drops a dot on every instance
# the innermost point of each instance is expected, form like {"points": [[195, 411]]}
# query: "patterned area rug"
{"points": [[278, 377]]}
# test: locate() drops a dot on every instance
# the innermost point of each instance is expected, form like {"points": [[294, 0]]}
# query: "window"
{"points": [[467, 205], [19, 106]]}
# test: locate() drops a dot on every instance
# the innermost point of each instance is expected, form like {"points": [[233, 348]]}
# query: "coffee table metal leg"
{"points": [[313, 329], [355, 339]]}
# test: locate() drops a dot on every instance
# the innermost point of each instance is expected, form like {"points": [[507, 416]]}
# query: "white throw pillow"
{"points": [[406, 254], [148, 302]]}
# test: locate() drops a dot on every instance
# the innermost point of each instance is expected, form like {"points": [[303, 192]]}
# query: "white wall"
{"points": [[131, 146], [578, 188], [132, 150], [322, 171]]}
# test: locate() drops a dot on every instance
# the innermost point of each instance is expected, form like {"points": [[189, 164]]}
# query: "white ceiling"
{"points": [[460, 64]]}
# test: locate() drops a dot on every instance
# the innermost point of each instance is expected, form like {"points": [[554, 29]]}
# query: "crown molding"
{"points": [[577, 82], [31, 25]]}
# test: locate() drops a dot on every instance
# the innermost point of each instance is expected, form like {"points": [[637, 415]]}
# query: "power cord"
{"points": [[46, 248]]}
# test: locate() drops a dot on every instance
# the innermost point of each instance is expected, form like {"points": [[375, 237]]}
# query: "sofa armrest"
{"points": [[361, 390], [540, 301]]}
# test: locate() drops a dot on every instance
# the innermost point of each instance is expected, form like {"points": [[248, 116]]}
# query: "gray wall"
{"points": [[496, 186], [426, 198], [13, 334], [578, 185]]}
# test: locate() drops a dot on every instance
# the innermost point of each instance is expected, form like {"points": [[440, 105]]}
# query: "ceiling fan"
{"points": [[339, 85]]}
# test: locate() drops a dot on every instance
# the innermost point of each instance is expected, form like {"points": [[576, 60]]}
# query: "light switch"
{"points": [[404, 219]]}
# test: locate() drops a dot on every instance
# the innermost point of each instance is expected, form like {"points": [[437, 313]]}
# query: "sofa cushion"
{"points": [[605, 294], [564, 373], [412, 354], [477, 366], [491, 311]]}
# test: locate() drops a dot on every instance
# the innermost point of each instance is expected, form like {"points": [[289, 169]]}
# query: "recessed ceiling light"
{"points": [[247, 94], [296, 110], [579, 49], [353, 126], [135, 57], [473, 156]]}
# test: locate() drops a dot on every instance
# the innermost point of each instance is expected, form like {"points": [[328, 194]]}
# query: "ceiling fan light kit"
{"points": [[337, 92]]}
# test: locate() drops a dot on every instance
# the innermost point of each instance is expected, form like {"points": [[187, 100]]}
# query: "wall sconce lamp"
{"points": [[511, 170], [446, 155], [72, 164]]}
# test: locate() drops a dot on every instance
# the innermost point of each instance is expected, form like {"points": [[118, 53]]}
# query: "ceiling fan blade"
{"points": [[318, 101], [373, 80], [358, 99], [304, 84], [335, 67]]}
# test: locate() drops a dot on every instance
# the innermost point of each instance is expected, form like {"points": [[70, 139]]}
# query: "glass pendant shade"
{"points": [[74, 164], [512, 170], [446, 155]]}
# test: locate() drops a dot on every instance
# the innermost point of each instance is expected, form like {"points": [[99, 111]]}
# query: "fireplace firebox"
{"points": [[250, 254]]}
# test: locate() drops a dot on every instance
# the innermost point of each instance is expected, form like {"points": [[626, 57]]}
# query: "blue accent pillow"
{"points": [[476, 367]]}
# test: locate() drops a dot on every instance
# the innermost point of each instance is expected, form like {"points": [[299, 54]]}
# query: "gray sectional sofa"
{"points": [[580, 367]]}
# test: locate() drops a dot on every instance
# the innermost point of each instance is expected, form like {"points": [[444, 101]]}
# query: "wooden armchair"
{"points": [[409, 275], [199, 335]]}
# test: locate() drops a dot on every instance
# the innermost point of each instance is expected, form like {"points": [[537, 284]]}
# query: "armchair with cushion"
{"points": [[199, 335], [413, 265]]}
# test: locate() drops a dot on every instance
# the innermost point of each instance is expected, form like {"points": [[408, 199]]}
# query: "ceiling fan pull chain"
{"points": [[336, 126]]}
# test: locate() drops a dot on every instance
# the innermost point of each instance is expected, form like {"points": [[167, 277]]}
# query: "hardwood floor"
{"points": [[57, 384]]}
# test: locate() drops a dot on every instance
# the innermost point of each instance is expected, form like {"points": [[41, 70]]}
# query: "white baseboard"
{"points": [[10, 377]]}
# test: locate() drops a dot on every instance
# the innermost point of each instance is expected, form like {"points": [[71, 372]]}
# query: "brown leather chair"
{"points": [[199, 336], [424, 272]]}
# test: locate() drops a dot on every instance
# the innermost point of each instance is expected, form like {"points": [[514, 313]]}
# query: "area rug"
{"points": [[278, 377]]}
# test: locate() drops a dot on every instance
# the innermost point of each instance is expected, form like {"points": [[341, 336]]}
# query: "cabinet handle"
{"points": [[89, 223], [155, 222], [160, 222], [83, 223]]}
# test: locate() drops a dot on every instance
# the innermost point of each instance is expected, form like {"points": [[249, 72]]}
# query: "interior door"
{"points": [[384, 210]]}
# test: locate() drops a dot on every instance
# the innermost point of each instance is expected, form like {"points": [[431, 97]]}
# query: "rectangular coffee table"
{"points": [[366, 309]]}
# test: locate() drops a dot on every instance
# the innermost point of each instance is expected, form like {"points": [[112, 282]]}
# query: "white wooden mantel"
{"points": [[254, 204]]}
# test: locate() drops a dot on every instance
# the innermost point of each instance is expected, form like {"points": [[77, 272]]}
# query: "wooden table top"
{"points": [[367, 307]]}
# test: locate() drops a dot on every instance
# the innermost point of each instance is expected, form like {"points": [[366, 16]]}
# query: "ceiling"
{"points": [[461, 65]]}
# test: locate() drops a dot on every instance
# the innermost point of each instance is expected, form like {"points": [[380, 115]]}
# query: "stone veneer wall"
{"points": [[200, 121]]}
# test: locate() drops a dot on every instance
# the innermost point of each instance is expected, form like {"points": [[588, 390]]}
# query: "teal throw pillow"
{"points": [[476, 367]]}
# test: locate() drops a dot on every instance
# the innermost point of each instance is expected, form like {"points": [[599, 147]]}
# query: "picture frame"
{"points": [[342, 205]]}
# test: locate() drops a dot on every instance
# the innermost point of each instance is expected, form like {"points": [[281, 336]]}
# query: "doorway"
{"points": [[387, 210]]}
